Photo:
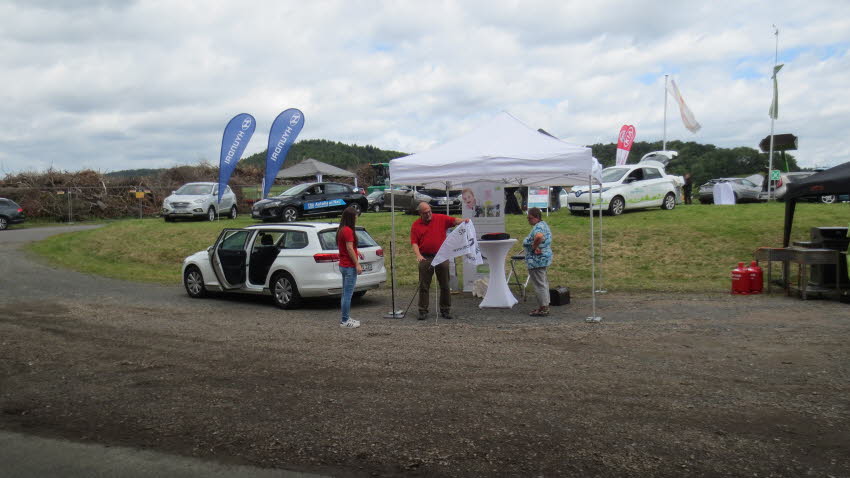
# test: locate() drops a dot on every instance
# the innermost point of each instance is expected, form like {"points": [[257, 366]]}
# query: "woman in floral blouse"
{"points": [[538, 256]]}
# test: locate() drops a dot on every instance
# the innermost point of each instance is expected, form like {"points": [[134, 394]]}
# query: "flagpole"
{"points": [[664, 141], [772, 117]]}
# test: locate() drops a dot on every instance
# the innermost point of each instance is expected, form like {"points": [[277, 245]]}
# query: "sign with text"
{"points": [[538, 197], [484, 204]]}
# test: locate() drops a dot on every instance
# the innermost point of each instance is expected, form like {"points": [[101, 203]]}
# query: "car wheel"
{"points": [[284, 291], [168, 218], [617, 206], [4, 223], [234, 213], [356, 208], [828, 199], [669, 202], [289, 214], [211, 214], [376, 207], [194, 282]]}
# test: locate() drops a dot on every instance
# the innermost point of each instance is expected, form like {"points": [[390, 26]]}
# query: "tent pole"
{"points": [[601, 288], [394, 313], [593, 317]]}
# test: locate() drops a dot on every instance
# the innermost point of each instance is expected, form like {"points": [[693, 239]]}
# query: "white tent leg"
{"points": [[601, 288], [393, 313], [593, 317]]}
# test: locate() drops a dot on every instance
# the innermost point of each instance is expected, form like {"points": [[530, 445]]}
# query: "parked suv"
{"points": [[311, 200], [10, 213], [199, 200], [287, 261]]}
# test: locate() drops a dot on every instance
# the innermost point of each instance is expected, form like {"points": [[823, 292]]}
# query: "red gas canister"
{"points": [[756, 278], [740, 280]]}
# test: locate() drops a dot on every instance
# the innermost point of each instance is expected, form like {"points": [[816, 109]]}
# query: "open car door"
{"points": [[229, 257]]}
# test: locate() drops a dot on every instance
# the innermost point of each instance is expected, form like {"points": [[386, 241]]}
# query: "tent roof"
{"points": [[312, 167], [502, 149], [832, 181]]}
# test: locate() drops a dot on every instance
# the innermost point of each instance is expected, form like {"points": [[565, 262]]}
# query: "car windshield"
{"points": [[296, 190], [194, 189], [328, 239], [610, 175], [441, 193]]}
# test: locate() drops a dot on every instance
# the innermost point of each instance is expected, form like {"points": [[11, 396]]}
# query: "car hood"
{"points": [[585, 189]]}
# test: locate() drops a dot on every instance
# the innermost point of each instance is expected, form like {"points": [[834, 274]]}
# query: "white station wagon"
{"points": [[287, 261], [631, 186]]}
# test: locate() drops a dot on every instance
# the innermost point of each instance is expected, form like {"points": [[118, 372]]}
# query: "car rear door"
{"points": [[339, 196], [657, 185], [230, 256]]}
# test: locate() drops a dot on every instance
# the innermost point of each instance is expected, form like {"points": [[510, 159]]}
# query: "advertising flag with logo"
{"points": [[284, 130], [624, 143], [236, 135], [460, 242]]}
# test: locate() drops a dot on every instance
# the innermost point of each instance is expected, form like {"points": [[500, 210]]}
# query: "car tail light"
{"points": [[779, 183], [20, 209], [379, 253], [320, 258]]}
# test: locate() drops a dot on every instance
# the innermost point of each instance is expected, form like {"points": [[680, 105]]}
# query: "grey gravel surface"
{"points": [[696, 384]]}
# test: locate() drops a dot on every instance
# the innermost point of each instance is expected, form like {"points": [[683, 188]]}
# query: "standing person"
{"points": [[686, 188], [349, 264], [538, 256], [426, 236]]}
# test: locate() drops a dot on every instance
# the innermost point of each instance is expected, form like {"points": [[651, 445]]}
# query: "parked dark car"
{"points": [[10, 213], [746, 189], [309, 200], [439, 200], [376, 200]]}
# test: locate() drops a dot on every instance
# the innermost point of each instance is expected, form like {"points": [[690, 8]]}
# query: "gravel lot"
{"points": [[699, 385]]}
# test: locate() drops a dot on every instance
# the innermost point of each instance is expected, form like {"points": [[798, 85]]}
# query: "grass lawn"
{"points": [[691, 248]]}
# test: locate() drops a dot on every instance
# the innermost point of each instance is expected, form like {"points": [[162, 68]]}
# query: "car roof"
{"points": [[201, 182], [306, 225]]}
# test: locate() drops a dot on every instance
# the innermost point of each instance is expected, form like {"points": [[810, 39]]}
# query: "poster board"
{"points": [[483, 202], [538, 197]]}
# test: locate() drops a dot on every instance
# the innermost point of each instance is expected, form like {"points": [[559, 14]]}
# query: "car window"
{"points": [[235, 241], [4, 202], [295, 190], [613, 174], [194, 189], [266, 239], [748, 183], [228, 190], [295, 240], [651, 173], [336, 189], [327, 238], [636, 175]]}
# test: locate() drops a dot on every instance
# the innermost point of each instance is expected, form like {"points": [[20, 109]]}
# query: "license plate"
{"points": [[577, 207], [367, 266]]}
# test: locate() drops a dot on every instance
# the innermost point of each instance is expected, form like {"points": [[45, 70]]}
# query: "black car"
{"points": [[376, 200], [439, 200], [10, 213], [309, 200]]}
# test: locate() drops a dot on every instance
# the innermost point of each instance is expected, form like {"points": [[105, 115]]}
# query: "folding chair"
{"points": [[513, 273]]}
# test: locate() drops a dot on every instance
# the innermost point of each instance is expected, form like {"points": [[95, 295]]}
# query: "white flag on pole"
{"points": [[460, 242], [687, 116], [774, 105]]}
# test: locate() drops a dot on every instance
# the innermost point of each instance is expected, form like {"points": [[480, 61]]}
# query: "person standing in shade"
{"points": [[687, 187], [538, 256], [426, 236], [349, 264]]}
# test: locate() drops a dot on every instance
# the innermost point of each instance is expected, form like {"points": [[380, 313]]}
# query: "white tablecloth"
{"points": [[498, 293]]}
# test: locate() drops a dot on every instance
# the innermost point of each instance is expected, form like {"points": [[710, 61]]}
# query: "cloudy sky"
{"points": [[145, 84]]}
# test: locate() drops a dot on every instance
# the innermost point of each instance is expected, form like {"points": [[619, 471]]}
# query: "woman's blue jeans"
{"points": [[349, 278]]}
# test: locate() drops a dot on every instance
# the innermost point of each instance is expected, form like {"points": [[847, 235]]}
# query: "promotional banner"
{"points": [[538, 197], [624, 143], [484, 204], [284, 130], [236, 135]]}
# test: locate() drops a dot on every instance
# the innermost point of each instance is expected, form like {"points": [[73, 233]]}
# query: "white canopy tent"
{"points": [[502, 149]]}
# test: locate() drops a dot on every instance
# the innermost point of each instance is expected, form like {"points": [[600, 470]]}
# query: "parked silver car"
{"points": [[746, 189], [195, 200]]}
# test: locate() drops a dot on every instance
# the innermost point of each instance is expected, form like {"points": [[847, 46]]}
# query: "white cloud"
{"points": [[117, 85]]}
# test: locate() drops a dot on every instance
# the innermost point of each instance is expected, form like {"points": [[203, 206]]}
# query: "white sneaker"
{"points": [[350, 324]]}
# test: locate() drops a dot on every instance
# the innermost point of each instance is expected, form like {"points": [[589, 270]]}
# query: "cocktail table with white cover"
{"points": [[498, 294]]}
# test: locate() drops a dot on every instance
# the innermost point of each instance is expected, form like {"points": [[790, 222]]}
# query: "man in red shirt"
{"points": [[426, 236]]}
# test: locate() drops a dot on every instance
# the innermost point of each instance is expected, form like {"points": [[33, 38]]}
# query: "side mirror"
{"points": [[173, 192]]}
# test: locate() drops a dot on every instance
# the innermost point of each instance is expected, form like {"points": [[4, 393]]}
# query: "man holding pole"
{"points": [[426, 236]]}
